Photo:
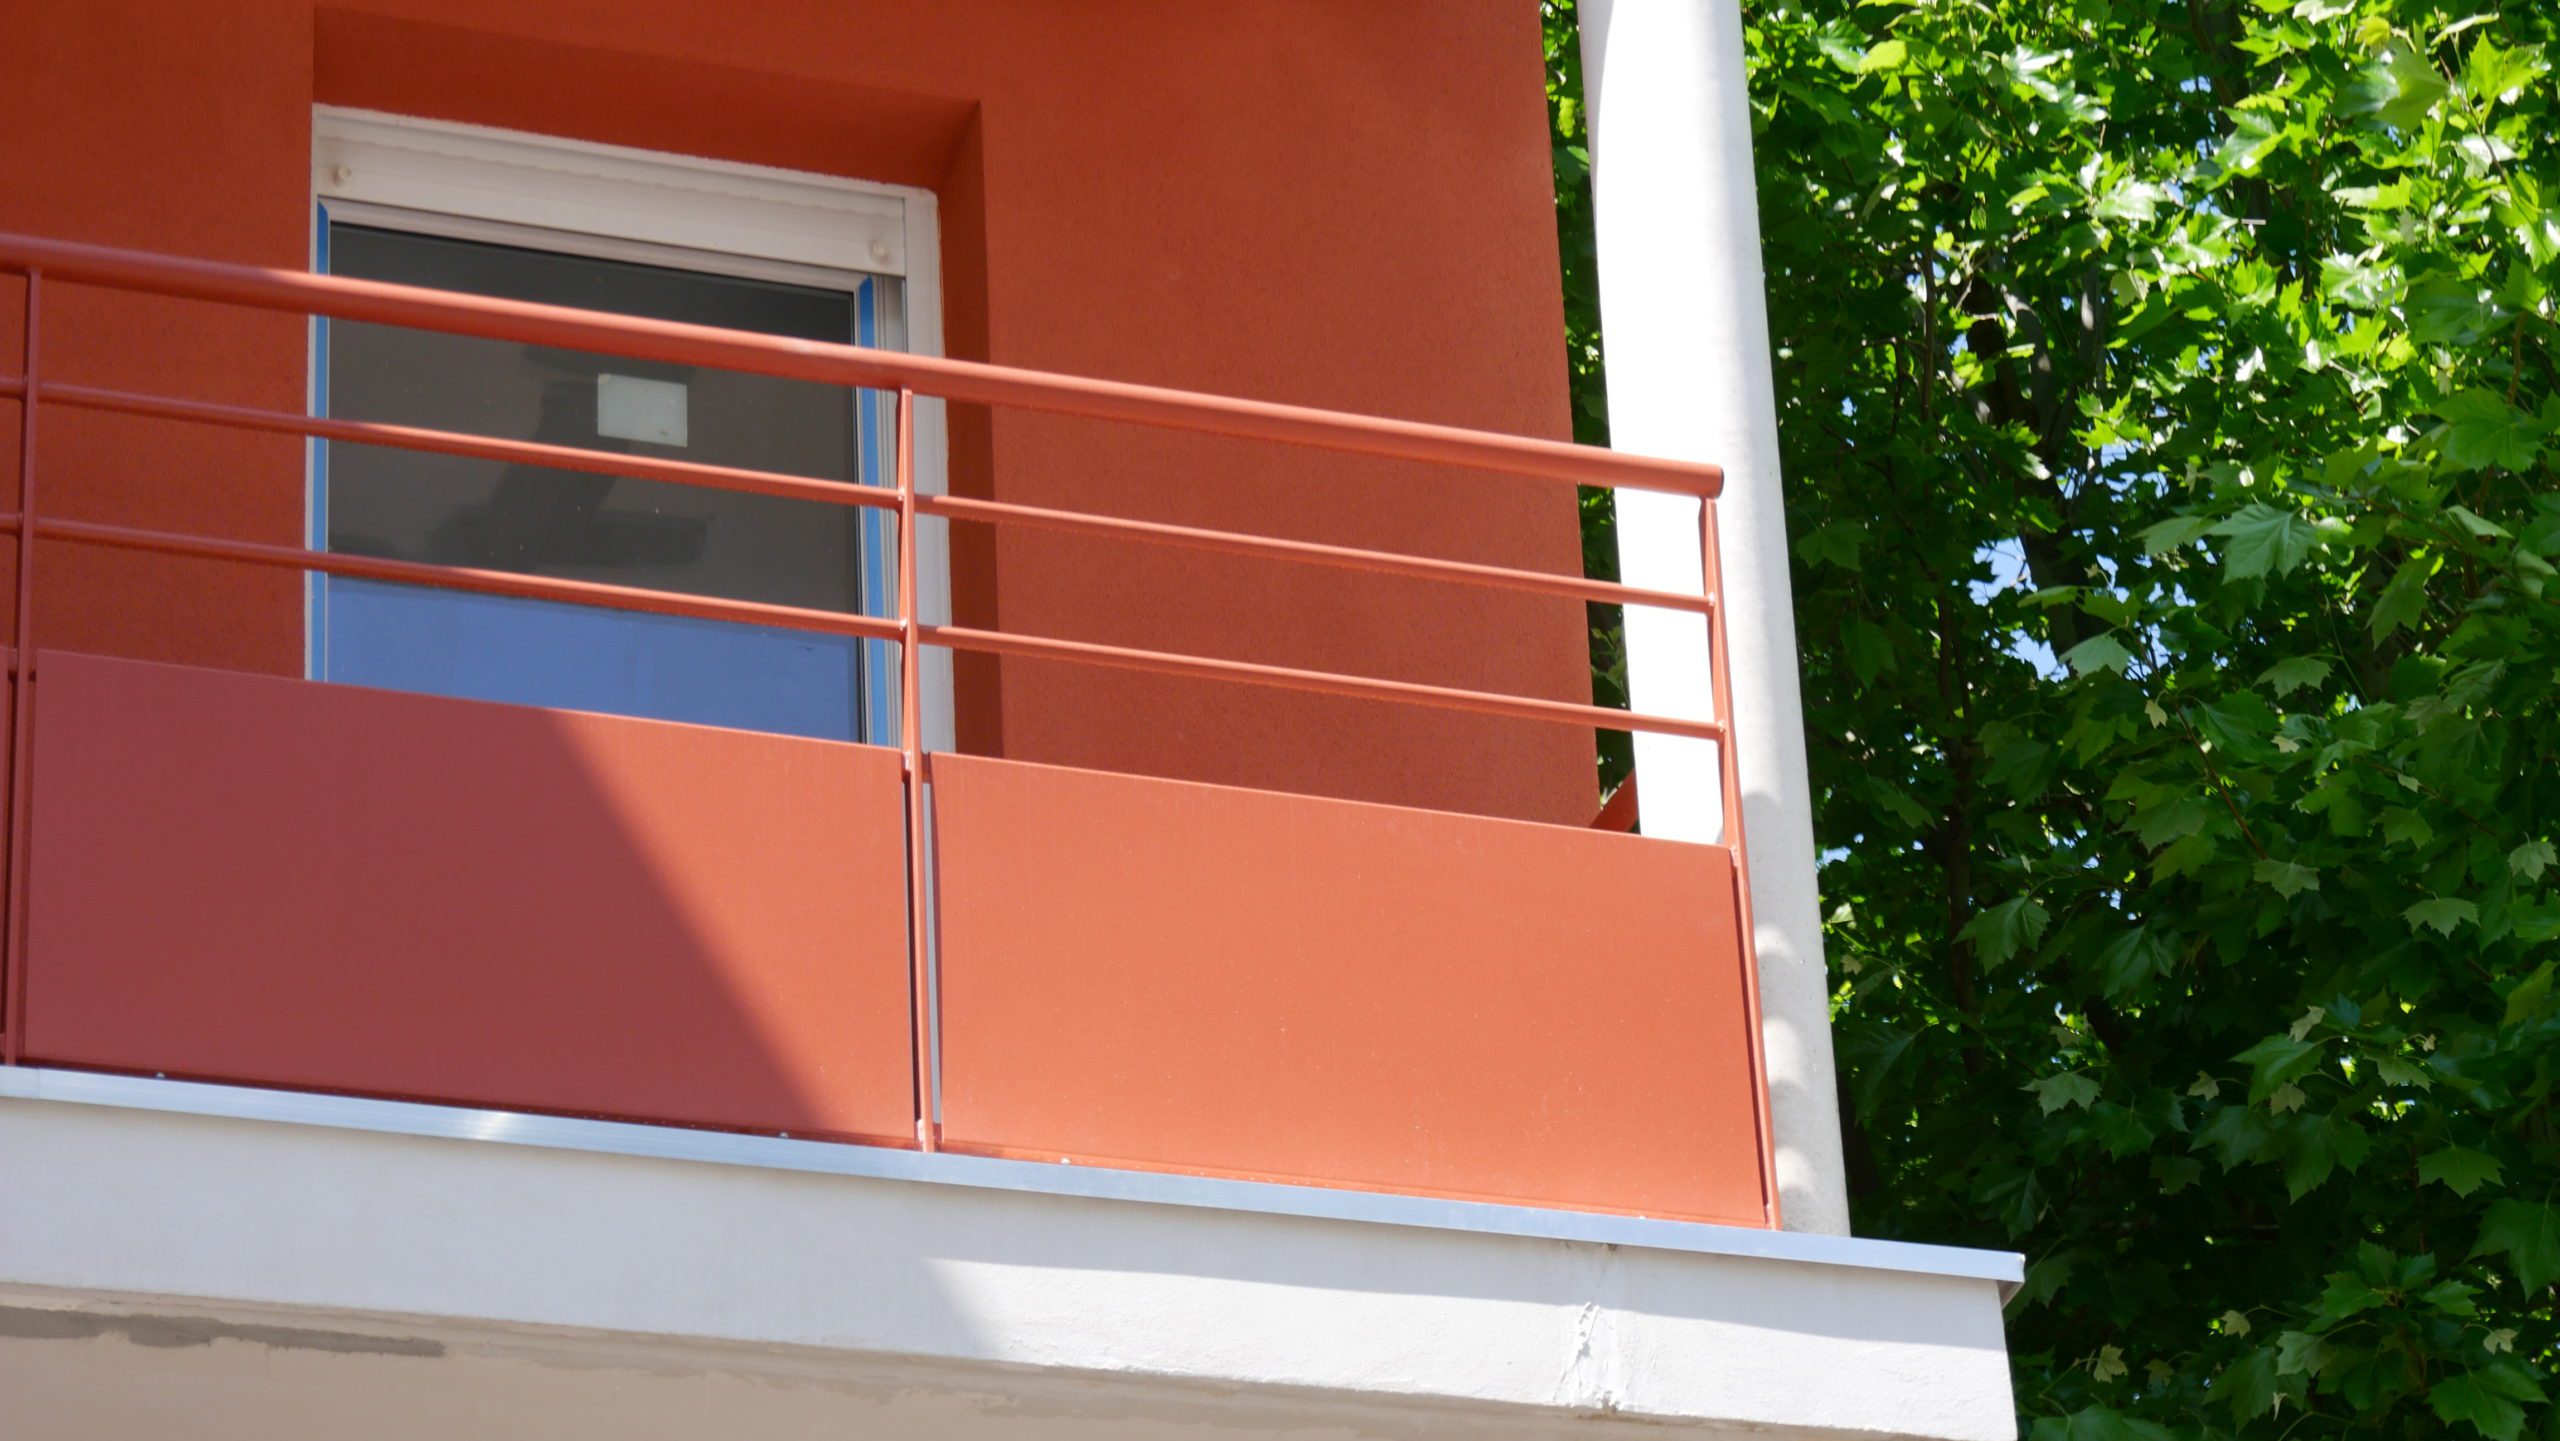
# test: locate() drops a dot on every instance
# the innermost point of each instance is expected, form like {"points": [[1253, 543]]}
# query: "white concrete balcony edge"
{"points": [[130, 1196]]}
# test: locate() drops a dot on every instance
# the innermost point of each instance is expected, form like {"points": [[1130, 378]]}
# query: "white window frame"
{"points": [[474, 182]]}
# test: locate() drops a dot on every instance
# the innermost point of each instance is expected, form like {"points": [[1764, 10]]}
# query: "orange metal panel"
{"points": [[244, 878], [1139, 972]]}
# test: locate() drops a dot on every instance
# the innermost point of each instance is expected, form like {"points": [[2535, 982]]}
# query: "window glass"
{"points": [[416, 506]]}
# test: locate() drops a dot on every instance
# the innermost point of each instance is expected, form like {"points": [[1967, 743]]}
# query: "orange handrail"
{"points": [[344, 298]]}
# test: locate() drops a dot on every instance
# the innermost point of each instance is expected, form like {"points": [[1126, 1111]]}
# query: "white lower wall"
{"points": [[109, 1211]]}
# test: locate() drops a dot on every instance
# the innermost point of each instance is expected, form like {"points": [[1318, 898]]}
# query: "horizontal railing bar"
{"points": [[378, 302], [475, 447], [1573, 587], [617, 597], [1321, 682], [791, 487], [12, 386], [487, 582]]}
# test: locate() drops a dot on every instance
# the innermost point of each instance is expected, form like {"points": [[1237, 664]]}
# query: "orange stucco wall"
{"points": [[1332, 202]]}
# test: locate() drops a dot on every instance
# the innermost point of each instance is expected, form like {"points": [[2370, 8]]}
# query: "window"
{"points": [[493, 213]]}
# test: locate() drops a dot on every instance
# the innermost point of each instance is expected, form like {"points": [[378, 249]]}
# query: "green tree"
{"points": [[2168, 400]]}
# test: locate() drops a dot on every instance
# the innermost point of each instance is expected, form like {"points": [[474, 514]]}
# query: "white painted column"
{"points": [[1686, 326]]}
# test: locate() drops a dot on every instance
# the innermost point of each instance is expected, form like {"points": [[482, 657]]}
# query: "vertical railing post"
{"points": [[1729, 775], [911, 740], [13, 924]]}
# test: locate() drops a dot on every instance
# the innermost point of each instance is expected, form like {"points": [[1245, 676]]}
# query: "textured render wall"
{"points": [[1249, 1319], [1331, 202]]}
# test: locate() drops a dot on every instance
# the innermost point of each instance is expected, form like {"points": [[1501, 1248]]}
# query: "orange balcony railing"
{"points": [[1592, 1042]]}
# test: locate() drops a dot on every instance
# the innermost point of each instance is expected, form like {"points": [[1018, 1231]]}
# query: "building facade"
{"points": [[843, 718]]}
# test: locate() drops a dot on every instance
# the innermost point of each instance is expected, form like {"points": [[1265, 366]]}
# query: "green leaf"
{"points": [[2315, 1145], [1835, 544], [1884, 55], [2474, 1398], [2394, 196], [2299, 1353], [2264, 537], [2025, 66], [2358, 284], [2527, 1233], [2062, 1089], [2130, 958], [2099, 652], [2175, 1173], [2537, 922], [2493, 73], [2341, 802], [2529, 996], [1843, 44], [2399, 88], [2121, 1129], [1873, 1053], [2400, 1071], [2452, 1298], [2237, 1136], [2278, 1061], [2018, 763], [2254, 136], [2442, 913], [2294, 672], [2460, 1170], [2000, 932], [2130, 200], [2445, 311], [2236, 722], [2174, 532], [2536, 229], [2482, 430], [2531, 859], [2404, 599], [1867, 647], [2480, 527], [2162, 824], [2289, 878], [2248, 1386], [2513, 1380], [2402, 826], [2349, 1295]]}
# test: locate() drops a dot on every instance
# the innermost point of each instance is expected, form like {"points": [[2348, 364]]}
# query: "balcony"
{"points": [[262, 899], [394, 895]]}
